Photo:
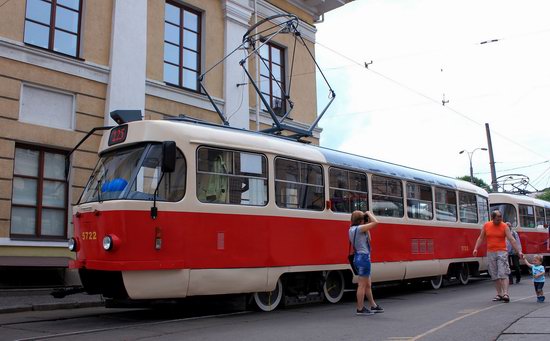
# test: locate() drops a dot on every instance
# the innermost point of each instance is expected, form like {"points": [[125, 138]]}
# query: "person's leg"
{"points": [[518, 268], [498, 287], [504, 286], [511, 275], [361, 286], [368, 293]]}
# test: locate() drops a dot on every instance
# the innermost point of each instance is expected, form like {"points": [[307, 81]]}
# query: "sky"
{"points": [[424, 51]]}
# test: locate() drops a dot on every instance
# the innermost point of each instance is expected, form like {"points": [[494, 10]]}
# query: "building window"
{"points": [[348, 191], [272, 77], [231, 177], [419, 201], [54, 25], [39, 199], [387, 197], [181, 46], [299, 185]]}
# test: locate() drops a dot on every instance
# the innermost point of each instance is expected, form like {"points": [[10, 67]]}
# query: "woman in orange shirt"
{"points": [[496, 232]]}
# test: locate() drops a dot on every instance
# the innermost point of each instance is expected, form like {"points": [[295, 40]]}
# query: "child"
{"points": [[538, 275]]}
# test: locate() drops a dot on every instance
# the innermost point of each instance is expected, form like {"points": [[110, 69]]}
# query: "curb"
{"points": [[51, 306]]}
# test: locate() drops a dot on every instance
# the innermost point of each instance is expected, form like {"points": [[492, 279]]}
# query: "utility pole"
{"points": [[491, 159]]}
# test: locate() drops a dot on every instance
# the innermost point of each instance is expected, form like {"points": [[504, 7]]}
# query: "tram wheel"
{"points": [[436, 282], [334, 286], [464, 274], [269, 300]]}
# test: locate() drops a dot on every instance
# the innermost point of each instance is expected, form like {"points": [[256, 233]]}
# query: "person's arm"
{"points": [[540, 274], [512, 241], [527, 262], [479, 240], [371, 224]]}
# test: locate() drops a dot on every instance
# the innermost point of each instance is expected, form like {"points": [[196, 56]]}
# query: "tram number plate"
{"points": [[118, 135], [89, 235]]}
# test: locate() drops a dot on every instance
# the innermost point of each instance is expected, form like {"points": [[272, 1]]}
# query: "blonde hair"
{"points": [[539, 257]]}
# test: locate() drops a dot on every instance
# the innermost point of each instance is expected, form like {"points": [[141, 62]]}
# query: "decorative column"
{"points": [[237, 14], [126, 89]]}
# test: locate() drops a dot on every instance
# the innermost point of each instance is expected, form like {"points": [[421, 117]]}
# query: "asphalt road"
{"points": [[453, 312]]}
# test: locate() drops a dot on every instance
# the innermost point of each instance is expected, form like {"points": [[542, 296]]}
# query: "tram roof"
{"points": [[519, 198]]}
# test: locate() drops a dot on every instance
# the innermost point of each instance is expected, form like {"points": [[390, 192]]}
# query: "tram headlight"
{"points": [[107, 243], [71, 244]]}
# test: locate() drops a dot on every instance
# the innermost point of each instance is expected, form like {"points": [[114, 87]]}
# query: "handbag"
{"points": [[351, 256]]}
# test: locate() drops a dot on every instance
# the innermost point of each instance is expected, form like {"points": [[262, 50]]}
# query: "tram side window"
{"points": [[299, 185], [483, 205], [419, 201], [526, 216], [468, 207], [387, 197], [547, 215], [539, 211], [172, 186], [231, 177], [348, 190], [445, 205], [508, 212]]}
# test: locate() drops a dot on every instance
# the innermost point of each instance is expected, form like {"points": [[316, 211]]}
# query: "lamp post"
{"points": [[470, 154]]}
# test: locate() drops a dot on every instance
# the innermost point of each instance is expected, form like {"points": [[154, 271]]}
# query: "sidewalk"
{"points": [[531, 327], [14, 300]]}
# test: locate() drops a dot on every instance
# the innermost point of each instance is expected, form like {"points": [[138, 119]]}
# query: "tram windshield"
{"points": [[508, 211], [134, 174]]}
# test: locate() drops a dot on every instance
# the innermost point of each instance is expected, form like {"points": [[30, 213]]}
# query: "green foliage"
{"points": [[477, 181], [545, 195]]}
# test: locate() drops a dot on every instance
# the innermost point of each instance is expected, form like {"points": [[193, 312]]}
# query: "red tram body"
{"points": [[243, 212]]}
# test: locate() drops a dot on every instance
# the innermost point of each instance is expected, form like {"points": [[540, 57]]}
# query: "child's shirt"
{"points": [[537, 269]]}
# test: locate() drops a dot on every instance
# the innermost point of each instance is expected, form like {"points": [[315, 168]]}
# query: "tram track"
{"points": [[108, 329]]}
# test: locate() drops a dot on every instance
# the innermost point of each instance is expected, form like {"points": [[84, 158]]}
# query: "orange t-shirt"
{"points": [[496, 236]]}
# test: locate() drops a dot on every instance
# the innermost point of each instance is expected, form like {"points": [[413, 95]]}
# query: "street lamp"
{"points": [[470, 154]]}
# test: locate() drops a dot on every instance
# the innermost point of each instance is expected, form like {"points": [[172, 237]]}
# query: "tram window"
{"points": [[231, 177], [508, 212], [526, 216], [539, 214], [419, 201], [483, 205], [348, 190], [387, 197], [547, 215], [172, 186], [468, 207], [299, 185], [445, 205]]}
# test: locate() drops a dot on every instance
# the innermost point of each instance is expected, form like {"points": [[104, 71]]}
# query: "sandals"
{"points": [[504, 298]]}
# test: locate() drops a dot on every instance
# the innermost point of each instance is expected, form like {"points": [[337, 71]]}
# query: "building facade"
{"points": [[66, 64]]}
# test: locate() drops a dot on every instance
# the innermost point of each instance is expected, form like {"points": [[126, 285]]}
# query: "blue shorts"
{"points": [[538, 285], [362, 263]]}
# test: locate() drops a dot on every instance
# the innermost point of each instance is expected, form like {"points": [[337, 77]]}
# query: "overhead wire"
{"points": [[436, 101]]}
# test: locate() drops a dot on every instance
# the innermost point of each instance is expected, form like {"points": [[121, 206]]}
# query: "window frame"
{"points": [[372, 194], [348, 189], [270, 96], [52, 27], [521, 216], [537, 219], [447, 190], [181, 28], [323, 186], [420, 185], [39, 193], [229, 175], [460, 209]]}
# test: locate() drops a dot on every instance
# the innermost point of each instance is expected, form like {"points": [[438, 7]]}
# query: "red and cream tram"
{"points": [[530, 217], [177, 208]]}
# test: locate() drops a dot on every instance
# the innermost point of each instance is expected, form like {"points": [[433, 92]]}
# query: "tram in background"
{"points": [[530, 217], [177, 208]]}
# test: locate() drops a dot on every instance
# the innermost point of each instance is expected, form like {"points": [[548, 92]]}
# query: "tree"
{"points": [[477, 181], [545, 195]]}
